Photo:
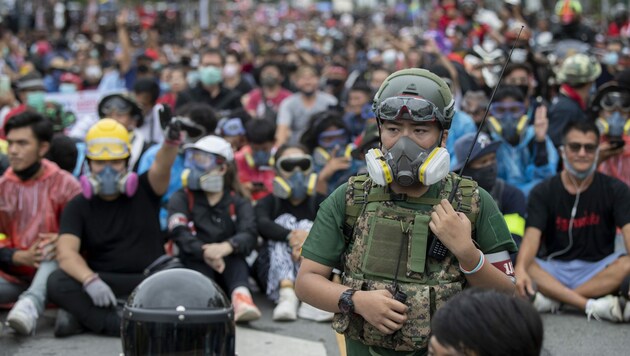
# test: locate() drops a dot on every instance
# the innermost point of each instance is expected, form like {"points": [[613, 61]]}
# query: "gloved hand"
{"points": [[99, 291], [172, 127]]}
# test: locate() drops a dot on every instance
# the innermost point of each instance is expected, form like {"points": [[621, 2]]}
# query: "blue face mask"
{"points": [[261, 158], [509, 130], [610, 58], [210, 75], [67, 88], [165, 87], [108, 179], [616, 123]]}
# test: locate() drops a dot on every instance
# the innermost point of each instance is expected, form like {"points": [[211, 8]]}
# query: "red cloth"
{"points": [[618, 166], [249, 174], [255, 99], [32, 207], [573, 95]]}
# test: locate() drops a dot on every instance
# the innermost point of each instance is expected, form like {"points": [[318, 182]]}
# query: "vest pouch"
{"points": [[418, 242], [383, 249], [415, 333], [442, 293]]}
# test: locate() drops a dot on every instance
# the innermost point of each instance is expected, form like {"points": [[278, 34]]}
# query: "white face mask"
{"points": [[211, 183], [230, 70]]}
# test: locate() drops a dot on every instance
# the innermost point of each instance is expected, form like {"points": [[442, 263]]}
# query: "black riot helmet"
{"points": [[178, 312]]}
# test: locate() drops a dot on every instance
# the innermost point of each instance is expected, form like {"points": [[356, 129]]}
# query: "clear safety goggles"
{"points": [[616, 100], [288, 164], [100, 146], [515, 109], [202, 161], [116, 104], [329, 139], [419, 109]]}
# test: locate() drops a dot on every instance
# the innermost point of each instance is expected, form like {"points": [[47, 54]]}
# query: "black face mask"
{"points": [[28, 172], [524, 89], [308, 93], [486, 176]]}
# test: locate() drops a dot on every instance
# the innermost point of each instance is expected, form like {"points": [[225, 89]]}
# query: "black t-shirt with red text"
{"points": [[603, 206]]}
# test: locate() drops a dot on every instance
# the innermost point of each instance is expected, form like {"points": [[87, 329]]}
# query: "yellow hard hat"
{"points": [[107, 140]]}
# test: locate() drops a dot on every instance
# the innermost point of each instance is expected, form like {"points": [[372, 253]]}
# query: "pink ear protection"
{"points": [[127, 185]]}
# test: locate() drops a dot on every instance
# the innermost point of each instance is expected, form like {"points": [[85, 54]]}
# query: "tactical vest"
{"points": [[375, 227]]}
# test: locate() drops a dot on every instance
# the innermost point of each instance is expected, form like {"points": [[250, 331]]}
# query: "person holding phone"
{"points": [[33, 192]]}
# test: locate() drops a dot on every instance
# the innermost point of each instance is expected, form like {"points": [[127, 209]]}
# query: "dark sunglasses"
{"points": [[289, 164], [419, 109], [577, 147]]}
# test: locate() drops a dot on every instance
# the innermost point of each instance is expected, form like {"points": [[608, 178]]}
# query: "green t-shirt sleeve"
{"points": [[492, 233], [325, 242]]}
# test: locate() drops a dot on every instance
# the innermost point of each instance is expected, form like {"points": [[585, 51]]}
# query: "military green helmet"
{"points": [[421, 83], [579, 69]]}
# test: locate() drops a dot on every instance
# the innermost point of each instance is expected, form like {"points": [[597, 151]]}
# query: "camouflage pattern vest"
{"points": [[375, 227]]}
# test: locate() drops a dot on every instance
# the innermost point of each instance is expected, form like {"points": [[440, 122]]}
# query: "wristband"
{"points": [[90, 279], [172, 142], [482, 260]]}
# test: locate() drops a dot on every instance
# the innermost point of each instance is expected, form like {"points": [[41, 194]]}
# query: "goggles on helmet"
{"points": [[202, 161], [193, 130], [616, 100], [116, 104], [288, 164], [515, 109], [232, 127], [419, 109], [107, 148]]}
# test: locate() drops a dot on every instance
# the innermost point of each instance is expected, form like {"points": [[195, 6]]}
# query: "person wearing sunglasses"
{"points": [[611, 111], [578, 212], [212, 223], [109, 234], [383, 229], [284, 219], [526, 155]]}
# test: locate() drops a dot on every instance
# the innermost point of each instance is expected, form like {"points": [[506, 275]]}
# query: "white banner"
{"points": [[82, 103]]}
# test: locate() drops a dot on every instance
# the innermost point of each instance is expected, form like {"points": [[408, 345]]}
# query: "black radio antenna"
{"points": [[485, 115]]}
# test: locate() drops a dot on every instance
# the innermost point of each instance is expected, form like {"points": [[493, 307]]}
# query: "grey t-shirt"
{"points": [[293, 113]]}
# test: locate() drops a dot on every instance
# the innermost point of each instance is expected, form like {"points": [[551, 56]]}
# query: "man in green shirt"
{"points": [[380, 228]]}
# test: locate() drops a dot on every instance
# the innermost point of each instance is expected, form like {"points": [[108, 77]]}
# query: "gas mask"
{"points": [[300, 182], [407, 163], [109, 182], [614, 127], [195, 179], [508, 121], [199, 172], [486, 176], [259, 158]]}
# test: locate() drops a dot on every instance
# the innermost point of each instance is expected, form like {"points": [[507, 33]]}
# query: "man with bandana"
{"points": [[568, 250], [526, 155], [33, 192], [383, 229]]}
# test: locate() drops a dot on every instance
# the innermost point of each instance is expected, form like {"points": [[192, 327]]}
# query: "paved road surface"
{"points": [[565, 334]]}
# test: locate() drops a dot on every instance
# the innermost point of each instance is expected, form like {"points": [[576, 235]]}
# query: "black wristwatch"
{"points": [[346, 305]]}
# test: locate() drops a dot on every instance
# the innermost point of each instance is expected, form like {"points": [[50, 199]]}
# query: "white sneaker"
{"points": [[23, 317], [545, 305], [626, 312], [286, 310], [309, 312], [607, 307]]}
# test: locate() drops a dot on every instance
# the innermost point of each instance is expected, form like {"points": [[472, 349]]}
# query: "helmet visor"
{"points": [[288, 164], [616, 100], [107, 148], [419, 109], [202, 161]]}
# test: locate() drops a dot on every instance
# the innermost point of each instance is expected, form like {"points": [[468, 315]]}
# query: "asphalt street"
{"points": [[565, 334]]}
